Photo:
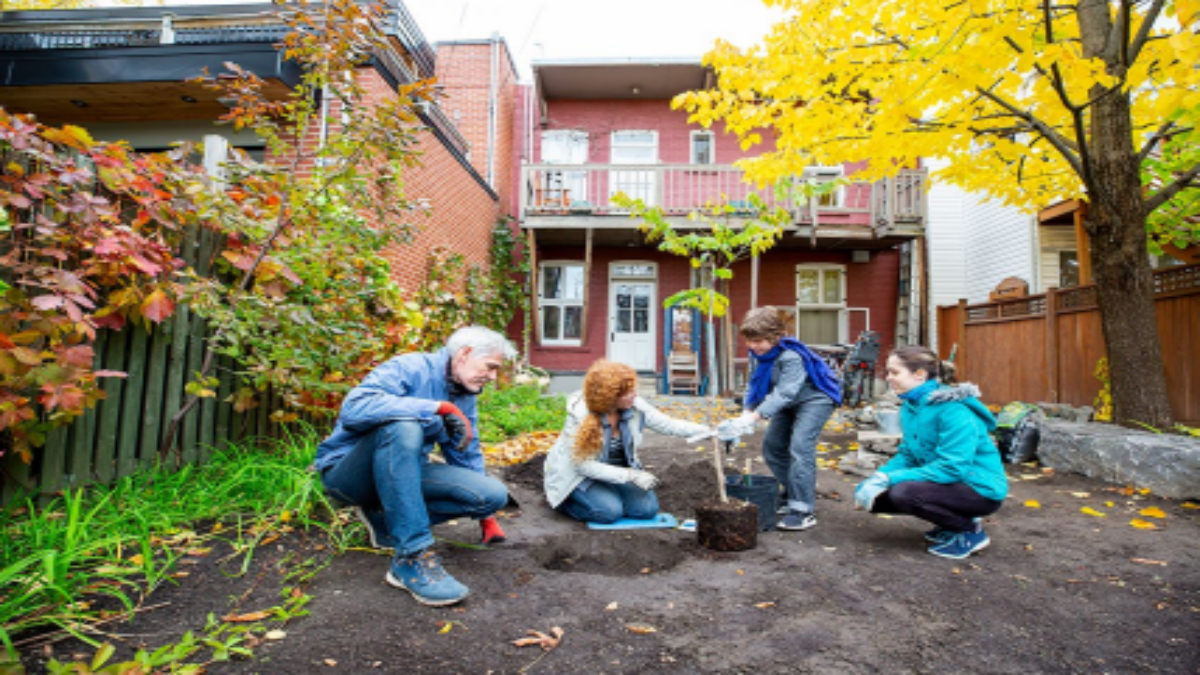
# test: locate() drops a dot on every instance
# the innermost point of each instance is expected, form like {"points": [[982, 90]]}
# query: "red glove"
{"points": [[492, 533], [457, 425]]}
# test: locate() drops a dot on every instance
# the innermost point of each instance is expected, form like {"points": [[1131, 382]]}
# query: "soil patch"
{"points": [[610, 553]]}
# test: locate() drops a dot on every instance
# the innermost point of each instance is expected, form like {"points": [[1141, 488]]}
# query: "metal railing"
{"points": [[406, 29], [137, 37], [679, 189]]}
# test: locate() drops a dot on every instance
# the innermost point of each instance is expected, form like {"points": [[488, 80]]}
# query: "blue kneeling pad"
{"points": [[661, 520]]}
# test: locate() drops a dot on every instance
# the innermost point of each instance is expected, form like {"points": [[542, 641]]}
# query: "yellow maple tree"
{"points": [[1029, 101]]}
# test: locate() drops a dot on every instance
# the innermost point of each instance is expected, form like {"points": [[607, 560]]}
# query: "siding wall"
{"points": [[999, 244], [946, 240]]}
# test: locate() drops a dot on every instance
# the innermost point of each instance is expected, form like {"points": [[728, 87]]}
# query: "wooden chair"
{"points": [[683, 373]]}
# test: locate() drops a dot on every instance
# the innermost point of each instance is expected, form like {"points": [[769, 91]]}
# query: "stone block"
{"points": [[1169, 465]]}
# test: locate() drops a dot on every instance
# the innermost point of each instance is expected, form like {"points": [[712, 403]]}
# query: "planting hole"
{"points": [[611, 553]]}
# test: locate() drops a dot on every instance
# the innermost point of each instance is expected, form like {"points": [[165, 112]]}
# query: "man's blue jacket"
{"points": [[407, 387]]}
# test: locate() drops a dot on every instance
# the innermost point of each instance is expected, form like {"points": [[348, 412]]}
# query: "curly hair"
{"points": [[605, 382]]}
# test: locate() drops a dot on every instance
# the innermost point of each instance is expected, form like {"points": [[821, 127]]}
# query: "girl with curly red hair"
{"points": [[593, 473]]}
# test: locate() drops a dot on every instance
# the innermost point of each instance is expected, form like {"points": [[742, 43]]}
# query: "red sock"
{"points": [[492, 532]]}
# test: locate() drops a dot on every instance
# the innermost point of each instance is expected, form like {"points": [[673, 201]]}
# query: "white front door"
{"points": [[631, 334], [635, 147]]}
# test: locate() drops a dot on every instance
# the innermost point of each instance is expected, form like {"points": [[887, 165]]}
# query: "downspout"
{"points": [[493, 89]]}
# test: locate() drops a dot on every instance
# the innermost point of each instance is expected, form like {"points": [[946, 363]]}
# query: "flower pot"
{"points": [[762, 491], [732, 526]]}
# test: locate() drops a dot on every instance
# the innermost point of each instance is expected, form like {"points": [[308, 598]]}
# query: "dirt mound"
{"points": [[686, 485], [528, 474]]}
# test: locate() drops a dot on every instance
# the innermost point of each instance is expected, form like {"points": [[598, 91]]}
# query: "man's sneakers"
{"points": [[796, 521], [376, 524], [422, 575], [959, 545]]}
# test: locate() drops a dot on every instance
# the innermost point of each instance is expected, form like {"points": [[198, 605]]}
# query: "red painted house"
{"points": [[590, 128]]}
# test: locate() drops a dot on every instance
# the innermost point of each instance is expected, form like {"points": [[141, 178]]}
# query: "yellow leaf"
{"points": [[1152, 512], [1033, 504], [1109, 504], [1143, 524], [641, 628], [446, 626], [137, 560], [1092, 512], [1190, 505], [285, 517]]}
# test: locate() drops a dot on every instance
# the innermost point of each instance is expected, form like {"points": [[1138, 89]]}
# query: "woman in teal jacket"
{"points": [[947, 471]]}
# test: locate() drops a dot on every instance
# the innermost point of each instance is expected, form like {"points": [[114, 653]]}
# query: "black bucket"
{"points": [[762, 491]]}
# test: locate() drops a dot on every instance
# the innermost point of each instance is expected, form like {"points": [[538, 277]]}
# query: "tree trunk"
{"points": [[1116, 225]]}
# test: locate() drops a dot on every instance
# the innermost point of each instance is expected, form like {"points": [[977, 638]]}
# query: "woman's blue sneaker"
{"points": [[423, 576], [938, 535], [961, 545]]}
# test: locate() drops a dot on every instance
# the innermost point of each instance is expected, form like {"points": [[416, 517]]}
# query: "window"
{"points": [[1068, 269], [817, 176], [702, 147], [821, 303], [561, 301]]}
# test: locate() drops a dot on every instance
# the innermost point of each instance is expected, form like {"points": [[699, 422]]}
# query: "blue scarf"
{"points": [[918, 392], [818, 372]]}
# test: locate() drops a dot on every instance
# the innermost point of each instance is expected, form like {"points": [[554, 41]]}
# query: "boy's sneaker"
{"points": [[961, 545], [423, 576], [376, 524], [795, 521]]}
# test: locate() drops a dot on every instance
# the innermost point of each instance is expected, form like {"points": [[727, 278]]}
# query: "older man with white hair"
{"points": [[377, 458]]}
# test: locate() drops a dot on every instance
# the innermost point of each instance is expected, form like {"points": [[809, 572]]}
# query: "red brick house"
{"points": [[593, 127], [120, 73]]}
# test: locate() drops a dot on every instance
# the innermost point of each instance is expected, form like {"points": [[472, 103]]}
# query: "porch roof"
{"points": [[609, 78], [609, 231]]}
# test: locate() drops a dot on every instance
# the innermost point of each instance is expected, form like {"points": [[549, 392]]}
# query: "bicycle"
{"points": [[855, 366]]}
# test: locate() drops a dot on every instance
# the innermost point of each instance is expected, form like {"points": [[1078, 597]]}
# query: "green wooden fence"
{"points": [[122, 434]]}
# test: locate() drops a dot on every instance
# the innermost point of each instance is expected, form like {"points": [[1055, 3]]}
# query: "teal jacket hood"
{"points": [[969, 395]]}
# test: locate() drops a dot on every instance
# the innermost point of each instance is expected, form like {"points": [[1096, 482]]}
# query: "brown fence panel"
{"points": [[1046, 347]]}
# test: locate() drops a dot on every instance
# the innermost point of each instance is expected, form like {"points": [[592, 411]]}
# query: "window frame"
{"points": [[841, 307], [827, 174], [562, 303]]}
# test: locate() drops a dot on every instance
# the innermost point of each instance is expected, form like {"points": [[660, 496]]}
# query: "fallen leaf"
{"points": [[1081, 495], [646, 570], [611, 606], [249, 617], [330, 662], [765, 605], [275, 635], [540, 639], [1033, 504], [1109, 504], [1087, 510], [1152, 512], [640, 628], [445, 626], [1143, 524], [1148, 561], [741, 572], [1190, 505]]}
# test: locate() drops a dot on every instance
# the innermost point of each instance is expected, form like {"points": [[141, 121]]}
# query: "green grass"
{"points": [[505, 413], [120, 541]]}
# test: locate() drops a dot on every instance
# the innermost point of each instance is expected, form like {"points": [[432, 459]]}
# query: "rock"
{"points": [[1168, 465], [862, 462]]}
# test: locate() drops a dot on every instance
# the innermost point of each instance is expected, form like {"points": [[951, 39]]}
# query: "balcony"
{"points": [[579, 196]]}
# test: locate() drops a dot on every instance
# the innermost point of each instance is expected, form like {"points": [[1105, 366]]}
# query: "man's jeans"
{"points": [[387, 470], [610, 502], [790, 450]]}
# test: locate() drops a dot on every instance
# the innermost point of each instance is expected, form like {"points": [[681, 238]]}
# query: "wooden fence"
{"points": [[123, 432], [1045, 347]]}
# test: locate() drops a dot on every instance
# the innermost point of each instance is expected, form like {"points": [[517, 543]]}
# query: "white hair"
{"points": [[482, 341]]}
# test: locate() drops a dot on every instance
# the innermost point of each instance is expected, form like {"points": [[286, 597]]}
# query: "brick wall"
{"points": [[464, 70], [461, 212]]}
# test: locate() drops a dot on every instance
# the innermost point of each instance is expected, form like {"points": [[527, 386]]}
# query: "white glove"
{"points": [[643, 479], [742, 425]]}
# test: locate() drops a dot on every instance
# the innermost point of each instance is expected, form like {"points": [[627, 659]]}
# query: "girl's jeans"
{"points": [[387, 470], [609, 502], [790, 450]]}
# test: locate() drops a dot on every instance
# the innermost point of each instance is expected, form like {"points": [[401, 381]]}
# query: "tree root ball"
{"points": [[732, 526]]}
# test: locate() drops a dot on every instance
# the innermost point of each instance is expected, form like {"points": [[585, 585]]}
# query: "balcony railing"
{"points": [[679, 189]]}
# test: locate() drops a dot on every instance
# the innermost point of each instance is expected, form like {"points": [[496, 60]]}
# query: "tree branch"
{"points": [[1153, 140], [1057, 140], [1183, 180], [1143, 34]]}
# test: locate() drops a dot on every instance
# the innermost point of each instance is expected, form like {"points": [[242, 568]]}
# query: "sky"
{"points": [[563, 29]]}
